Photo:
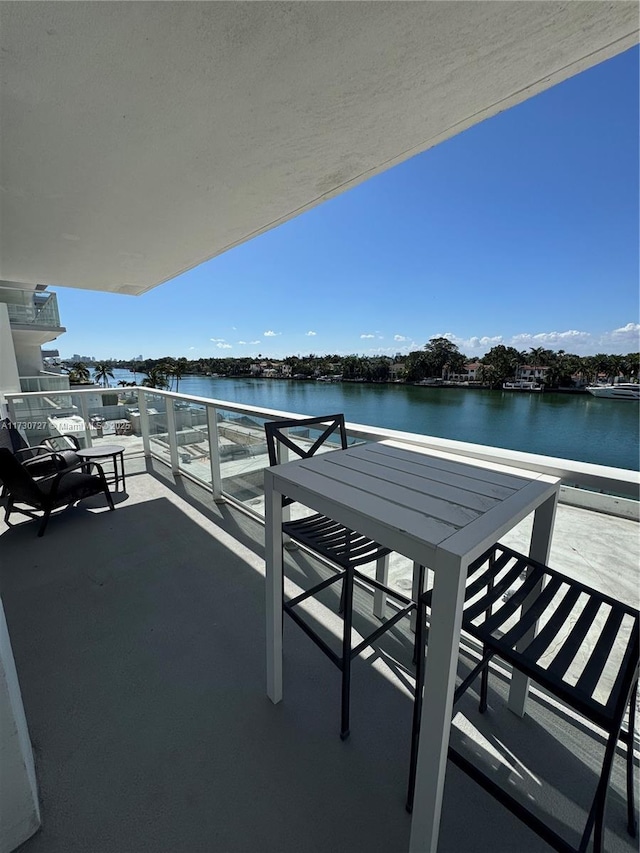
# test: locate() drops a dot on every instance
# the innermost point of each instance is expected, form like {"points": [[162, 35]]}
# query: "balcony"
{"points": [[33, 315], [31, 308], [139, 643], [45, 382]]}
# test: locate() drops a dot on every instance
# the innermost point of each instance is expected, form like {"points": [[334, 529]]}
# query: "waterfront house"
{"points": [[469, 374], [138, 141], [531, 373], [397, 370]]}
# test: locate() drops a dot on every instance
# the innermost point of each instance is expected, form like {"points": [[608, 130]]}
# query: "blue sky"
{"points": [[523, 230]]}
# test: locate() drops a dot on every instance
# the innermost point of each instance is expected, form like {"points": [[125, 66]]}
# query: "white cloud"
{"points": [[631, 330], [625, 339], [241, 342], [191, 347], [550, 339], [367, 336], [222, 345], [311, 334], [400, 338], [255, 342], [621, 340], [216, 340], [271, 334]]}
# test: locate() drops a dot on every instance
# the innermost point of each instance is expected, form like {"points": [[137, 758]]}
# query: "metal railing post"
{"points": [[144, 423], [214, 453], [84, 408], [172, 436], [11, 411]]}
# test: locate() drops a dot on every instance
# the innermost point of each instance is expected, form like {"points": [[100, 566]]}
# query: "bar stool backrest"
{"points": [[279, 436]]}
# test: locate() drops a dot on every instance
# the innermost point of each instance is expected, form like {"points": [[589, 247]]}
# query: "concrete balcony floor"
{"points": [[139, 643]]}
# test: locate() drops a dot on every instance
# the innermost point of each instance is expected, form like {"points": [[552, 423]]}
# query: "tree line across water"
{"points": [[439, 358]]}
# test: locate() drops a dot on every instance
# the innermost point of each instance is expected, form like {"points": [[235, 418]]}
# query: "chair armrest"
{"points": [[69, 441], [55, 457], [36, 449]]}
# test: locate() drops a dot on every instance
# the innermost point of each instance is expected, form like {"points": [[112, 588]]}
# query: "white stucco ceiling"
{"points": [[140, 139]]}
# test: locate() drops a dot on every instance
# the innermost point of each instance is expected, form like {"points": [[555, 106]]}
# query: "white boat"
{"points": [[621, 391], [522, 385]]}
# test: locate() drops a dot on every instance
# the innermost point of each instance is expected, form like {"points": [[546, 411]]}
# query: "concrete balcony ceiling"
{"points": [[141, 139]]}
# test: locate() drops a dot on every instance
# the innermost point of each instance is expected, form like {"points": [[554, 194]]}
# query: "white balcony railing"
{"points": [[31, 308], [45, 382], [221, 444]]}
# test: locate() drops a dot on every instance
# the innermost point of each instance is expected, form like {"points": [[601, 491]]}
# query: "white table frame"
{"points": [[355, 505]]}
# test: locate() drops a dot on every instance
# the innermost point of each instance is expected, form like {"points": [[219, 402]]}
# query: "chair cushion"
{"points": [[44, 466], [73, 486]]}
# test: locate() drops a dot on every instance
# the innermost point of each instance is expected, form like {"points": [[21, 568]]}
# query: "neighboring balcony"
{"points": [[33, 315], [139, 640], [45, 382]]}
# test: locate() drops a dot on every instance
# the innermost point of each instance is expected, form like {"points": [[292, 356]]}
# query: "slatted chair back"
{"points": [[577, 651], [19, 483], [586, 653], [278, 435]]}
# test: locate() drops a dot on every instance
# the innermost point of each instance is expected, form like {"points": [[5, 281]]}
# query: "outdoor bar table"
{"points": [[442, 511]]}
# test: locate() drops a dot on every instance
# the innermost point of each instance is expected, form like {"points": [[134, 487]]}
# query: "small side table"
{"points": [[106, 451]]}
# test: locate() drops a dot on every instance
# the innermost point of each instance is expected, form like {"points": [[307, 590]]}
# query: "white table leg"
{"points": [[380, 597], [273, 559], [539, 549], [435, 722]]}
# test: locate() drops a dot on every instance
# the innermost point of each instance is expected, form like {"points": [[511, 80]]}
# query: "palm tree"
{"points": [[102, 372], [79, 373], [156, 378], [178, 369]]}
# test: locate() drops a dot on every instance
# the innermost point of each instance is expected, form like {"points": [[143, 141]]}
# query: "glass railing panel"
{"points": [[192, 439], [46, 310], [243, 456], [27, 308], [49, 414], [109, 416], [158, 429], [44, 383]]}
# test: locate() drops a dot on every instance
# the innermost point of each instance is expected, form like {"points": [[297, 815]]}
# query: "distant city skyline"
{"points": [[523, 230]]}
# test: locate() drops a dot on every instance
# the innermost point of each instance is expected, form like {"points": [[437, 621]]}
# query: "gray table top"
{"points": [[102, 450]]}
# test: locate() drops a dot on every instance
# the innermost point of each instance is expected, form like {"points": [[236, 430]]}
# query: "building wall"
{"points": [[9, 376], [29, 358], [18, 787]]}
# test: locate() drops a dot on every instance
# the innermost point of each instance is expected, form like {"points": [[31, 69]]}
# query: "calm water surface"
{"points": [[579, 426]]}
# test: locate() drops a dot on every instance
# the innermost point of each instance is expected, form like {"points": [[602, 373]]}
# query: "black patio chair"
{"points": [[42, 459], [578, 624], [344, 549], [63, 488]]}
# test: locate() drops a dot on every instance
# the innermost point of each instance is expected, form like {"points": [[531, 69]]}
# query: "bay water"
{"points": [[571, 426]]}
